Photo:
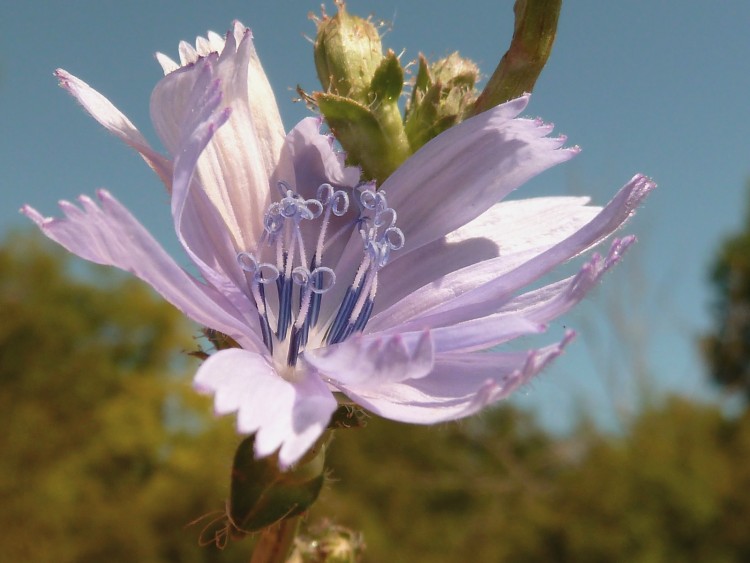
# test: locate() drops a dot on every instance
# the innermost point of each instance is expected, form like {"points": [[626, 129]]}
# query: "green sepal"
{"points": [[347, 416], [220, 340], [422, 81], [387, 82], [364, 136], [261, 494], [422, 115]]}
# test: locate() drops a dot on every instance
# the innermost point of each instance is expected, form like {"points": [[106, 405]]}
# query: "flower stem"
{"points": [[533, 36], [275, 542]]}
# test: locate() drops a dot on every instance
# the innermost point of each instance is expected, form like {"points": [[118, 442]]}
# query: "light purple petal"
{"points": [[101, 109], [612, 217], [467, 169], [551, 301], [509, 319], [285, 416], [471, 335], [508, 228], [477, 290], [313, 160], [188, 54], [459, 385], [199, 226], [369, 362], [110, 235], [236, 166]]}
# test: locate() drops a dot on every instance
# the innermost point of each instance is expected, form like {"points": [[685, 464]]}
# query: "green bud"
{"points": [[328, 543], [262, 495], [442, 95], [347, 53], [373, 138], [361, 90], [455, 71], [372, 134]]}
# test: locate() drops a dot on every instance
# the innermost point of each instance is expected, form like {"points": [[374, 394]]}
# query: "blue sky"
{"points": [[642, 86]]}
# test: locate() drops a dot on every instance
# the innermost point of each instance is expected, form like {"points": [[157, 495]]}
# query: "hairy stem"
{"points": [[275, 542]]}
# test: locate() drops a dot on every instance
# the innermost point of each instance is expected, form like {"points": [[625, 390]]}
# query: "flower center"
{"points": [[292, 227]]}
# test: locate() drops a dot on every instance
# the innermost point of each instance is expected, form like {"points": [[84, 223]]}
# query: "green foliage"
{"points": [[496, 489], [727, 348], [107, 452], [670, 490], [446, 493]]}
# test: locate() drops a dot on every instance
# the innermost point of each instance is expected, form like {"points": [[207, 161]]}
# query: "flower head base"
{"points": [[316, 277]]}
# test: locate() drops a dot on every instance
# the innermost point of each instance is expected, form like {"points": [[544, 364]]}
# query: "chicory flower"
{"points": [[390, 296]]}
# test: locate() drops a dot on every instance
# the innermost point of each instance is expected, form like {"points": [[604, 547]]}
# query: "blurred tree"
{"points": [[674, 487], [106, 451], [452, 492], [727, 348]]}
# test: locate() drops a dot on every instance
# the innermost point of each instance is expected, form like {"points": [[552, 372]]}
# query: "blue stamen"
{"points": [[346, 333], [294, 347], [312, 316], [315, 297], [265, 326], [342, 316], [364, 315], [284, 286]]}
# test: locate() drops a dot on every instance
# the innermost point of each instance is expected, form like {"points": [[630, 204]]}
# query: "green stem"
{"points": [[275, 542], [533, 36]]}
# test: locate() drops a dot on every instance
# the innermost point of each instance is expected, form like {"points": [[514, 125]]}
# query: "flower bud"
{"points": [[261, 494], [328, 543], [371, 133], [442, 95], [361, 90], [347, 53], [455, 71]]}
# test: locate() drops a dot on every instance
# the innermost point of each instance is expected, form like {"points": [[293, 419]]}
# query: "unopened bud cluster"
{"points": [[362, 88], [362, 85]]}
